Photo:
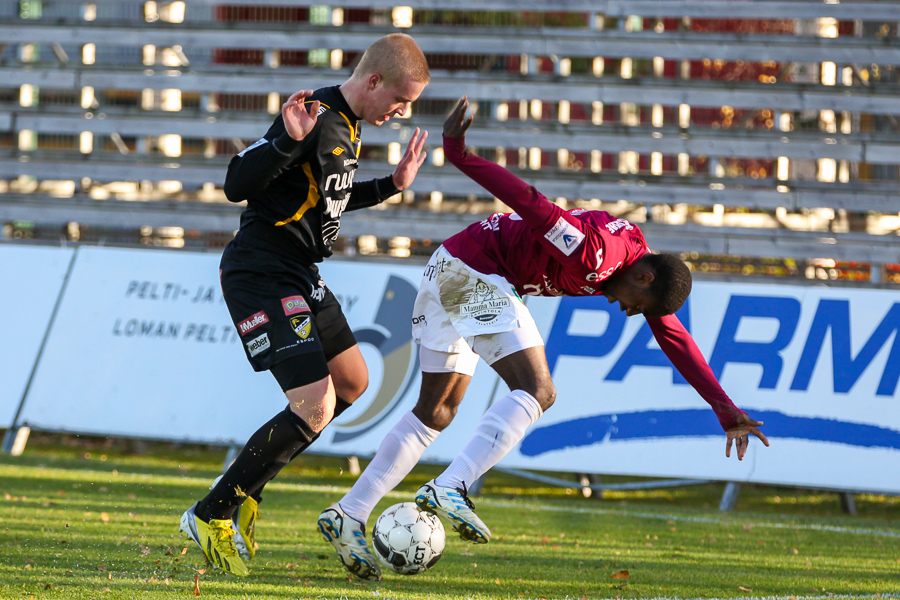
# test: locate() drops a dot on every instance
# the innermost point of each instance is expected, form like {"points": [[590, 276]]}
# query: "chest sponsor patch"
{"points": [[565, 236], [252, 322], [257, 345], [293, 305]]}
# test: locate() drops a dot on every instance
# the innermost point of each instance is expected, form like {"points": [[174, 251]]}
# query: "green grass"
{"points": [[85, 519]]}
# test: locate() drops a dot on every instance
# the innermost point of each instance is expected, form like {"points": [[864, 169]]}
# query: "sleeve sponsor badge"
{"points": [[565, 236]]}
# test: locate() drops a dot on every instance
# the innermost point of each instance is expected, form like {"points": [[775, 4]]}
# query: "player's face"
{"points": [[388, 100], [630, 291]]}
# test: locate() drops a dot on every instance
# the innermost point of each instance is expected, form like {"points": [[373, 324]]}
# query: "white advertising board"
{"points": [[31, 278], [144, 346], [819, 366]]}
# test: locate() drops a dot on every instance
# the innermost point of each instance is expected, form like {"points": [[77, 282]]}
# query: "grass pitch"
{"points": [[84, 519]]}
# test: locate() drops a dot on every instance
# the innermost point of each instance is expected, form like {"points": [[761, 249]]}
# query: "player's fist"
{"points": [[297, 121]]}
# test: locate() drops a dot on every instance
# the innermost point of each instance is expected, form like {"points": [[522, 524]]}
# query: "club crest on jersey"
{"points": [[293, 305], [302, 326], [483, 305], [565, 236]]}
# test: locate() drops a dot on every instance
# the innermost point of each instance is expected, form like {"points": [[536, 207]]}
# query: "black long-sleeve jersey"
{"points": [[296, 191]]}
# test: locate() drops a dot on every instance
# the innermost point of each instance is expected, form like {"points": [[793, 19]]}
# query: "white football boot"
{"points": [[348, 536], [455, 506]]}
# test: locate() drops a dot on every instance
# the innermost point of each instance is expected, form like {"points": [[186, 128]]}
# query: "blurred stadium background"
{"points": [[757, 139]]}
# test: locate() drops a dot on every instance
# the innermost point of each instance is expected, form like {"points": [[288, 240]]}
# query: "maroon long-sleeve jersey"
{"points": [[544, 250]]}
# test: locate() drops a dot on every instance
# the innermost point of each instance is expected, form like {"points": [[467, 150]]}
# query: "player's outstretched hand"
{"points": [[739, 434], [457, 123], [297, 121], [411, 160]]}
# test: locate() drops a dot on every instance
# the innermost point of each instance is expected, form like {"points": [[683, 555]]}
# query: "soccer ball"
{"points": [[408, 541]]}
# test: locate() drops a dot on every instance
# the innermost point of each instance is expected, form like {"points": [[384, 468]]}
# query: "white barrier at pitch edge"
{"points": [[31, 278], [143, 346]]}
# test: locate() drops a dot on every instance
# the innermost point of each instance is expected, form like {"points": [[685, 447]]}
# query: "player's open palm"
{"points": [[740, 435], [457, 123], [411, 160], [297, 121]]}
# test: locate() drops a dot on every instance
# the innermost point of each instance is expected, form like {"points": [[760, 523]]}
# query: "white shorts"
{"points": [[466, 314]]}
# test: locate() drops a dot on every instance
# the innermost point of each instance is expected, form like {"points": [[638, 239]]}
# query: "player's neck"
{"points": [[354, 93]]}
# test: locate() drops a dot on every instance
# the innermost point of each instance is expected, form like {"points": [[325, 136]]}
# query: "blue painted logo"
{"points": [[391, 335], [668, 424]]}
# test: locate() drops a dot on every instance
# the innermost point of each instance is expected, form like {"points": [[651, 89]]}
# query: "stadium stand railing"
{"points": [[752, 146]]}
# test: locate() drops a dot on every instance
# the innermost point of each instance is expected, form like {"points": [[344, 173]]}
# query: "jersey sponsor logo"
{"points": [[257, 345], [420, 320], [335, 208], [483, 305], [252, 322], [594, 276], [492, 222], [318, 291], [436, 268], [293, 305], [302, 326], [618, 225], [341, 181], [565, 236], [337, 151], [255, 144], [588, 289], [350, 161], [603, 275]]}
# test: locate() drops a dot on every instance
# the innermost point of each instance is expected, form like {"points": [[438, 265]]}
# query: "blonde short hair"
{"points": [[396, 57]]}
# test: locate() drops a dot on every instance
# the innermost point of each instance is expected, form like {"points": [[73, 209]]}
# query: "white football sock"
{"points": [[399, 452], [501, 427]]}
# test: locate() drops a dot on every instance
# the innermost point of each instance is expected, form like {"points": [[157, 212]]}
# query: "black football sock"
{"points": [[340, 405], [265, 454]]}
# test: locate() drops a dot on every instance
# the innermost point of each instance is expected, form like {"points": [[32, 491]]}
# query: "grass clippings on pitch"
{"points": [[87, 520]]}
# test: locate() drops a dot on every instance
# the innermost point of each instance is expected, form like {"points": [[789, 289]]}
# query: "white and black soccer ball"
{"points": [[407, 540]]}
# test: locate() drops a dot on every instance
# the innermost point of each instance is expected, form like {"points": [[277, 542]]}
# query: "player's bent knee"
{"points": [[351, 389], [435, 415]]}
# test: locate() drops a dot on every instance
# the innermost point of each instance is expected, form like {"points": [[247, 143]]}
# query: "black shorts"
{"points": [[282, 310]]}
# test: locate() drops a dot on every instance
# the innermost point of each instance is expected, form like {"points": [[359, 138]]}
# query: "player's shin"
{"points": [[401, 449], [501, 427], [265, 454]]}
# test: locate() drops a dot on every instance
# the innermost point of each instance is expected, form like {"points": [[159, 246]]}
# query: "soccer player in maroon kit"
{"points": [[469, 306]]}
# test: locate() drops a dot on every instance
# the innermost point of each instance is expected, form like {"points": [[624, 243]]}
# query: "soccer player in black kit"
{"points": [[297, 181]]}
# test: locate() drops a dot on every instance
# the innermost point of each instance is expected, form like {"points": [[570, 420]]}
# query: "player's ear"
{"points": [[645, 276], [373, 80]]}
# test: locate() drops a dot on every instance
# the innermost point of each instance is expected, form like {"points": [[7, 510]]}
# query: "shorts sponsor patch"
{"points": [[252, 322], [565, 236], [293, 305], [484, 304], [257, 345]]}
